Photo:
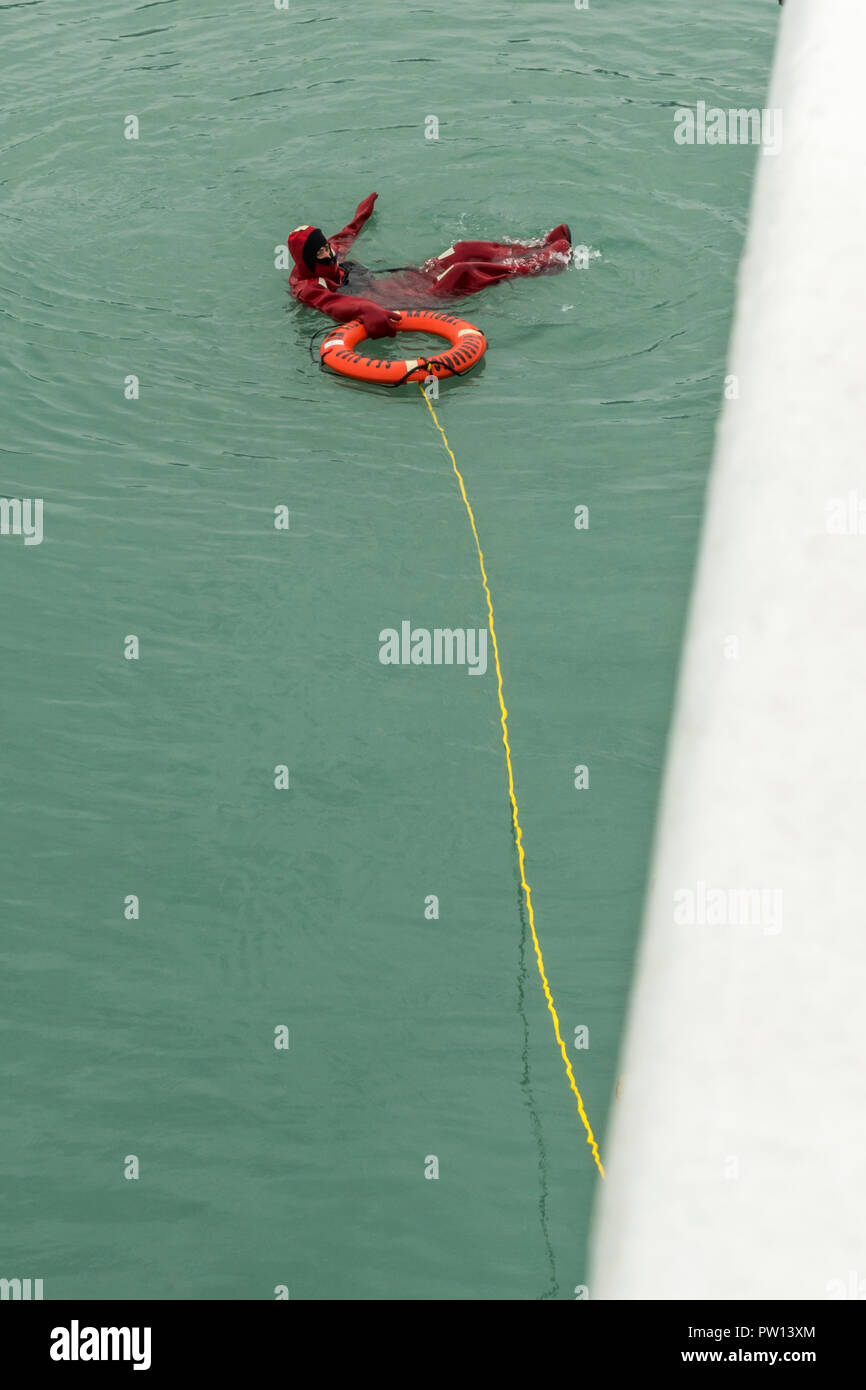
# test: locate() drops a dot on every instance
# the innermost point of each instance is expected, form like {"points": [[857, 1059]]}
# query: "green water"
{"points": [[304, 907]]}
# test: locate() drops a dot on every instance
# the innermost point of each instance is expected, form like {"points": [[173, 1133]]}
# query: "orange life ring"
{"points": [[468, 346]]}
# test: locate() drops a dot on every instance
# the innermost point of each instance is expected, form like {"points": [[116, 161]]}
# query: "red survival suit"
{"points": [[465, 268]]}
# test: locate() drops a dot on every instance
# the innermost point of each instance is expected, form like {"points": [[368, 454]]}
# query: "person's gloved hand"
{"points": [[380, 323]]}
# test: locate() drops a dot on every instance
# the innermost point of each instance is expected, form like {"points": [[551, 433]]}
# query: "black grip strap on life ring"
{"points": [[391, 385], [324, 332], [423, 362]]}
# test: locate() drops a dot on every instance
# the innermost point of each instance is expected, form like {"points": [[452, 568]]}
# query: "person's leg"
{"points": [[463, 277], [463, 251], [495, 252]]}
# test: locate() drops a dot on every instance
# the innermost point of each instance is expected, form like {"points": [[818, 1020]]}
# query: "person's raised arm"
{"points": [[341, 241]]}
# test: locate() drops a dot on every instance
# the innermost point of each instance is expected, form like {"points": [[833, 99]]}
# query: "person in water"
{"points": [[325, 280]]}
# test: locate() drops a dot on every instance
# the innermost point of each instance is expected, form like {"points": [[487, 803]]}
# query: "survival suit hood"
{"points": [[304, 244]]}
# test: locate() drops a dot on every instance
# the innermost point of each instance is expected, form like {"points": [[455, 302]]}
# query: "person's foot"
{"points": [[561, 247], [550, 256], [560, 233]]}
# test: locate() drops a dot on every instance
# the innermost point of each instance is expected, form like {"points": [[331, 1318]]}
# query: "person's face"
{"points": [[325, 253]]}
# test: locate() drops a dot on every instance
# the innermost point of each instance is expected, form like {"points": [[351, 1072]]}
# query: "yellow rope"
{"points": [[518, 834]]}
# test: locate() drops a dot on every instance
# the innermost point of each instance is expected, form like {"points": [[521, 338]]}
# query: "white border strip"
{"points": [[737, 1154]]}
